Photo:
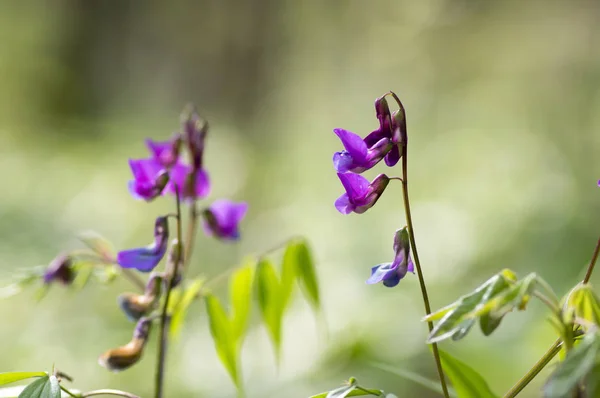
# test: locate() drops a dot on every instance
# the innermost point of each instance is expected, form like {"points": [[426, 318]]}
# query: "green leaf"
{"points": [[222, 333], [579, 363], [465, 380], [430, 384], [268, 290], [84, 270], [240, 290], [298, 254], [99, 245], [455, 322], [44, 387], [181, 305], [11, 377]]}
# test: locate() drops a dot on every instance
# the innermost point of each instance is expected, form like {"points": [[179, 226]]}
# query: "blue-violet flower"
{"points": [[391, 273], [149, 179], [144, 259], [358, 156]]}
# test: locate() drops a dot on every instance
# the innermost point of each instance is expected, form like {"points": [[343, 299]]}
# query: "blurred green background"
{"points": [[503, 109]]}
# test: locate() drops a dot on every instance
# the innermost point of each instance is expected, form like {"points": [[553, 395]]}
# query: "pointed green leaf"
{"points": [[99, 245], [221, 331], [298, 254], [83, 270], [11, 377], [515, 296], [44, 387], [269, 299], [240, 290], [455, 323], [181, 305], [579, 363], [465, 380]]}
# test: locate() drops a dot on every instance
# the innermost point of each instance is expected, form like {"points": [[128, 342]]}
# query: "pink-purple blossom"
{"points": [[361, 194]]}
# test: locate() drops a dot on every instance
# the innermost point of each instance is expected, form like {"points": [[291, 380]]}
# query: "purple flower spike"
{"points": [[60, 269], [360, 194], [165, 153], [150, 179], [145, 259], [192, 185], [390, 126], [391, 273], [358, 157], [222, 219]]}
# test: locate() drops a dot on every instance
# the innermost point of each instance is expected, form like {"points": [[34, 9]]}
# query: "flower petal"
{"points": [[222, 219], [355, 146], [343, 205], [343, 162], [144, 259], [381, 272], [356, 186], [393, 156], [202, 187]]}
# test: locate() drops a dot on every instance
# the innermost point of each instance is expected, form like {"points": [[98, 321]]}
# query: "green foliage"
{"points": [[490, 302], [581, 363], [11, 377], [240, 290], [352, 389], [43, 387], [99, 245], [465, 380], [430, 384], [582, 306], [271, 300], [297, 257], [180, 302]]}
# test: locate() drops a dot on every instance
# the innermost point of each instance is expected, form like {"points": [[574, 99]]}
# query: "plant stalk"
{"points": [[163, 333], [555, 348], [411, 236]]}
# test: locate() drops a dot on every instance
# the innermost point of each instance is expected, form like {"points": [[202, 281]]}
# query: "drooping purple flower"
{"points": [[391, 273], [222, 219], [145, 259], [60, 269], [149, 179], [191, 184], [166, 153], [357, 156], [194, 130], [360, 194], [392, 126]]}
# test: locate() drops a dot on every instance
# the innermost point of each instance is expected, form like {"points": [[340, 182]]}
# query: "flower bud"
{"points": [[121, 358], [60, 269], [136, 306]]}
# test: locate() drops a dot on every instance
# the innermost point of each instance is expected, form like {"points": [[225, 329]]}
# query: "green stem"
{"points": [[163, 334], [411, 236], [107, 391], [555, 348], [190, 235]]}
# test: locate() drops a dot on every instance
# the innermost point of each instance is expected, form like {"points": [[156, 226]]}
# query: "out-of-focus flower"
{"points": [[222, 219], [195, 130], [149, 179], [391, 273], [60, 269], [166, 153], [144, 259], [191, 184], [357, 156], [360, 194], [136, 306], [121, 358]]}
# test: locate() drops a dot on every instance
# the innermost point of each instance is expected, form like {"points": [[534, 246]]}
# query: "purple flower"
{"points": [[360, 194], [149, 179], [60, 269], [195, 130], [144, 259], [221, 219], [357, 156], [166, 153], [391, 273], [192, 184], [392, 127]]}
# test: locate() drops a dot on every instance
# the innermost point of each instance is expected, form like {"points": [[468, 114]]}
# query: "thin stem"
{"points": [[190, 236], [411, 236], [359, 388], [108, 391], [555, 348], [553, 305], [68, 392], [163, 335]]}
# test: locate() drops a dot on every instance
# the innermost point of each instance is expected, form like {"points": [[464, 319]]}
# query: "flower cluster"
{"points": [[166, 173], [388, 143]]}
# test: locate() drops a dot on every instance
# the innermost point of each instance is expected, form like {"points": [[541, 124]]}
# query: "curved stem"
{"points": [[555, 348], [163, 334], [411, 236], [108, 391], [190, 235]]}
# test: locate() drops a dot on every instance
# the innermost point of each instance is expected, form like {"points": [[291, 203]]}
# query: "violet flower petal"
{"points": [[222, 219]]}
